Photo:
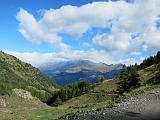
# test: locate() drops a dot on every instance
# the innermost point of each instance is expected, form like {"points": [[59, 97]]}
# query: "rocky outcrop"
{"points": [[23, 94], [2, 103]]}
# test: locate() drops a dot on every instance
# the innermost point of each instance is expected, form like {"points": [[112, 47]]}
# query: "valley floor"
{"points": [[142, 107]]}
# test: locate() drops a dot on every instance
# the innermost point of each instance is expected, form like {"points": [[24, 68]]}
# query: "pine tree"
{"points": [[58, 101], [134, 80], [158, 57], [128, 79]]}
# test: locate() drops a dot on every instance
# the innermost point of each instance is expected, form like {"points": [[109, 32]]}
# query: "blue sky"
{"points": [[10, 38], [97, 30]]}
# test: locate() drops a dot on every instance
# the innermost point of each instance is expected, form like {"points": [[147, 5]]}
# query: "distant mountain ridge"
{"points": [[17, 74], [76, 70]]}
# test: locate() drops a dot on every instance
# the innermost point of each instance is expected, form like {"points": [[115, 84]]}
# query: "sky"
{"points": [[48, 31]]}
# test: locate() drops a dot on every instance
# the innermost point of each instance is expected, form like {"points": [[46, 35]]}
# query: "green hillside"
{"points": [[17, 74], [147, 73], [106, 94]]}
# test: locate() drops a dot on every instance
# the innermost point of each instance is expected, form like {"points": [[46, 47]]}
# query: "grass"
{"points": [[71, 108], [17, 74], [83, 104], [27, 110], [35, 114], [21, 109], [100, 96], [147, 74], [33, 110], [107, 86], [142, 90]]}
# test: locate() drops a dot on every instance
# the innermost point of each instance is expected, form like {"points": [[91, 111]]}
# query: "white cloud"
{"points": [[129, 61], [114, 42], [152, 38], [38, 59], [136, 53], [86, 44], [33, 31], [70, 20], [75, 21], [139, 17], [125, 20]]}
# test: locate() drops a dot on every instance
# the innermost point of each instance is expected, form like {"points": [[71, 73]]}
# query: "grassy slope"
{"points": [[23, 109], [17, 74], [99, 94], [147, 73], [99, 97]]}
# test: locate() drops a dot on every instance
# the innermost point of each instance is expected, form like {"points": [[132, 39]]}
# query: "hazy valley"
{"points": [[64, 73]]}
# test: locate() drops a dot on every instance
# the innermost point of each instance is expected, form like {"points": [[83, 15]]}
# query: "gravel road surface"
{"points": [[141, 107]]}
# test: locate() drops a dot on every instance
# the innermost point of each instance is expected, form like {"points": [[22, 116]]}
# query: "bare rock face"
{"points": [[2, 102], [23, 94]]}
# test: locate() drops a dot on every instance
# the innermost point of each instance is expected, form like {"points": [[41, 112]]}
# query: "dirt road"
{"points": [[141, 107]]}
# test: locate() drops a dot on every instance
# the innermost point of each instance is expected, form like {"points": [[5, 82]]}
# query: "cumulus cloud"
{"points": [[139, 17], [75, 21], [152, 38], [34, 32], [132, 27], [114, 42], [127, 18], [70, 20], [39, 59]]}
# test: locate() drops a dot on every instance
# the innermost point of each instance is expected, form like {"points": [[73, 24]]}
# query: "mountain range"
{"points": [[21, 84], [77, 70]]}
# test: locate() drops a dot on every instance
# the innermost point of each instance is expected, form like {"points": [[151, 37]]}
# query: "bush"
{"points": [[57, 102]]}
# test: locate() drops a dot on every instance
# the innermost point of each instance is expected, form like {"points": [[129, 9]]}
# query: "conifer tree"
{"points": [[128, 79]]}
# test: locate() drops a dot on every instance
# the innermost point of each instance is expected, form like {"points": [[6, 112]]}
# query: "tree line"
{"points": [[130, 79], [68, 92], [150, 61]]}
